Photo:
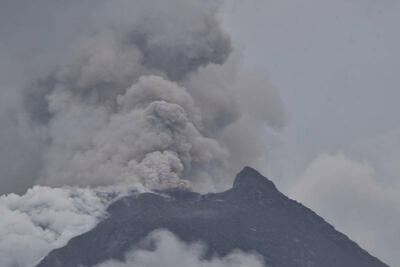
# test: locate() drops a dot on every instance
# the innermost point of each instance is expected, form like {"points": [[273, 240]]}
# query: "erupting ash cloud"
{"points": [[149, 95], [138, 104]]}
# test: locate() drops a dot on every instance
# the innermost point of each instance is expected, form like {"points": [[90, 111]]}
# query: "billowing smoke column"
{"points": [[151, 137], [138, 104], [151, 97]]}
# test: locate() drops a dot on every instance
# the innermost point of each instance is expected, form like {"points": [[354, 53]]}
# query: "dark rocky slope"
{"points": [[252, 216]]}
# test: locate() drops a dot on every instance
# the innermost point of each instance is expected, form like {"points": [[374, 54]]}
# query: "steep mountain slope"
{"points": [[252, 216]]}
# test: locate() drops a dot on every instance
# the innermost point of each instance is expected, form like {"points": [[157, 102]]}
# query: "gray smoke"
{"points": [[108, 96], [150, 97]]}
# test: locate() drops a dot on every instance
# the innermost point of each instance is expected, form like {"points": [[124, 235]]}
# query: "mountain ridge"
{"points": [[252, 216]]}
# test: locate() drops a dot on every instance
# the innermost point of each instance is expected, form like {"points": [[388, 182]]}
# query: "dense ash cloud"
{"points": [[150, 141], [149, 97], [166, 250], [113, 96]]}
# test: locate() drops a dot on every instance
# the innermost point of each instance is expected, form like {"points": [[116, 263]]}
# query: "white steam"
{"points": [[43, 219], [169, 251]]}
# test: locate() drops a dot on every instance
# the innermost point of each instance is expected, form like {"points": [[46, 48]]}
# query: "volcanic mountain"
{"points": [[253, 216]]}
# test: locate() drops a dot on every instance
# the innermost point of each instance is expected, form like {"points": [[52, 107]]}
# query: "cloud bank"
{"points": [[43, 219], [349, 194], [168, 251]]}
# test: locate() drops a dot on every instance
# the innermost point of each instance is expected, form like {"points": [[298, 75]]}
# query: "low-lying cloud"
{"points": [[169, 251], [349, 194], [44, 219]]}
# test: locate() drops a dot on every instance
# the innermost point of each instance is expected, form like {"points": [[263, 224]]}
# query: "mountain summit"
{"points": [[253, 216]]}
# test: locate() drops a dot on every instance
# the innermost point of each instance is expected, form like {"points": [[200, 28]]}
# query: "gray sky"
{"points": [[336, 65]]}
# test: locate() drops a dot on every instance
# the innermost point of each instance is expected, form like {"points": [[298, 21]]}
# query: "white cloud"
{"points": [[348, 194], [43, 219], [171, 252]]}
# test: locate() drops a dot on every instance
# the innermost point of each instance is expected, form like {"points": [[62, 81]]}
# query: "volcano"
{"points": [[252, 216]]}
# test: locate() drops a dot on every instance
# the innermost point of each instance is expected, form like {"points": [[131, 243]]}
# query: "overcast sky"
{"points": [[336, 65]]}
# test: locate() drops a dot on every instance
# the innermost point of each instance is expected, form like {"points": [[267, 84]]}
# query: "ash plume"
{"points": [[145, 100], [117, 95]]}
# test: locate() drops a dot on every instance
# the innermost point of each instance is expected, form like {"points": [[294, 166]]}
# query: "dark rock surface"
{"points": [[252, 216]]}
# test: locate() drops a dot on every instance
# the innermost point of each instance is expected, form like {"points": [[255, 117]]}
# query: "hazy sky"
{"points": [[336, 65]]}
